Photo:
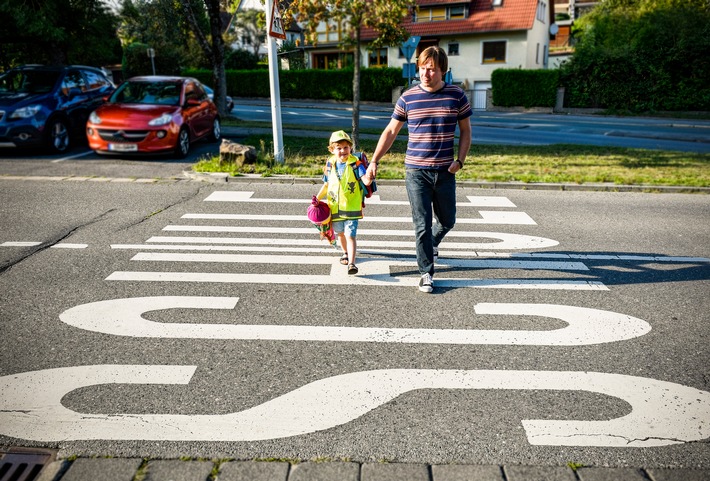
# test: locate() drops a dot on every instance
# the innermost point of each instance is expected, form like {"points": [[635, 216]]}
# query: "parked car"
{"points": [[154, 114], [210, 93], [49, 106]]}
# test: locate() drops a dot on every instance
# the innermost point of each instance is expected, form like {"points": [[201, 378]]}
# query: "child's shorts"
{"points": [[349, 227]]}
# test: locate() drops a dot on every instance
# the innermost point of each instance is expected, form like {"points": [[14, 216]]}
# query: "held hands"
{"points": [[371, 172]]}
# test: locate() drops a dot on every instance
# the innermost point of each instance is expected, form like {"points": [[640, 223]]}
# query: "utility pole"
{"points": [[274, 30]]}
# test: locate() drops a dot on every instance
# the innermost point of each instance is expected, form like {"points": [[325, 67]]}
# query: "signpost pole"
{"points": [[274, 78]]}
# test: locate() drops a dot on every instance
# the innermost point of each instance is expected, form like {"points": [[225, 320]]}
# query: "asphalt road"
{"points": [[566, 327]]}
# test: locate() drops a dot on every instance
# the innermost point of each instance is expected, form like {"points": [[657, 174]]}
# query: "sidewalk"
{"points": [[134, 469]]}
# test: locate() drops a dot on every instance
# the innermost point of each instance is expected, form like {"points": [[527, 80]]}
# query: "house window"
{"points": [[378, 58], [332, 60], [453, 49], [541, 9], [537, 53], [437, 14], [331, 33], [497, 3], [456, 13], [494, 52]]}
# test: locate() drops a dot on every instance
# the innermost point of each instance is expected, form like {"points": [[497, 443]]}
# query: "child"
{"points": [[343, 179]]}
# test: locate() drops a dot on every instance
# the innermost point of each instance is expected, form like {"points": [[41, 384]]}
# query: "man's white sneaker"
{"points": [[426, 283]]}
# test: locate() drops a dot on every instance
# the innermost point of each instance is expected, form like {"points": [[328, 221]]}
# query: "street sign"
{"points": [[409, 70], [410, 46], [276, 27]]}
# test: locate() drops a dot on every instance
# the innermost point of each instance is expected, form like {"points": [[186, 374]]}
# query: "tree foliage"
{"points": [[642, 55], [384, 16], [57, 32], [160, 25], [211, 39], [251, 24]]}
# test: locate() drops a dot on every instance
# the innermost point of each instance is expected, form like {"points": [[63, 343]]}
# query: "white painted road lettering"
{"points": [[662, 413], [124, 317]]}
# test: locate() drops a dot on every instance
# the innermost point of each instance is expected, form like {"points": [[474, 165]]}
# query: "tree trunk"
{"points": [[356, 91], [218, 73]]}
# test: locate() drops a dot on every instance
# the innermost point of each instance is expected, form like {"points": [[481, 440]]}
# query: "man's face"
{"points": [[430, 75]]}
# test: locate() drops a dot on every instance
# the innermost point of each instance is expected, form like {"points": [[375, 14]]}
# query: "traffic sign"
{"points": [[276, 27], [410, 46]]}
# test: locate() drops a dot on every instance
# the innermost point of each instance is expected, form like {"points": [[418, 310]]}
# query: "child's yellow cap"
{"points": [[338, 136]]}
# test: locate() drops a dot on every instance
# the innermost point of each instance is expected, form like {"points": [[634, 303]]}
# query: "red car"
{"points": [[153, 114]]}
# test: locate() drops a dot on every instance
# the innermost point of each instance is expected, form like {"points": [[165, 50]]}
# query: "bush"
{"points": [[376, 84], [529, 88]]}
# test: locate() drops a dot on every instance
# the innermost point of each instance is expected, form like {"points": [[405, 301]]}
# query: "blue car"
{"points": [[48, 106]]}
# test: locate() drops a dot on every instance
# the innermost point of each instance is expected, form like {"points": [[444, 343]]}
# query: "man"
{"points": [[432, 110]]}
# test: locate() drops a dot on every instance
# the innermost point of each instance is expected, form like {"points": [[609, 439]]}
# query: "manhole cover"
{"points": [[21, 464]]}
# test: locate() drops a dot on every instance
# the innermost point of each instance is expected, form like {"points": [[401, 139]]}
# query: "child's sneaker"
{"points": [[426, 283]]}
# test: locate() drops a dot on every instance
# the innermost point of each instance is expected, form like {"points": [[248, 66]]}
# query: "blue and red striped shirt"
{"points": [[431, 119]]}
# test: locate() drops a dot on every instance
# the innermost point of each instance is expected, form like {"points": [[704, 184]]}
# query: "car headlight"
{"points": [[94, 118], [26, 112], [162, 120]]}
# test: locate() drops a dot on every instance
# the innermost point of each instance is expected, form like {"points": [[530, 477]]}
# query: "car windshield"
{"points": [[28, 81], [151, 93]]}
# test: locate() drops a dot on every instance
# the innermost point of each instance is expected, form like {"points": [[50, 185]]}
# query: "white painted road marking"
{"points": [[61, 245], [487, 217], [662, 413], [237, 196], [124, 317], [373, 265], [505, 241], [342, 278]]}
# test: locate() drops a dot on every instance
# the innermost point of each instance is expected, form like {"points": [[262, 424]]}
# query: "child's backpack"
{"points": [[368, 189]]}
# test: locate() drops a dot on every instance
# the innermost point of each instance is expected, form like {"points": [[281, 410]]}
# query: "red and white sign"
{"points": [[276, 27]]}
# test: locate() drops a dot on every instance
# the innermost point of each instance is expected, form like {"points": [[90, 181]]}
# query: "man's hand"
{"points": [[454, 167]]}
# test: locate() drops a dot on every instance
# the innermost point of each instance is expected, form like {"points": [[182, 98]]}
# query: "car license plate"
{"points": [[123, 147]]}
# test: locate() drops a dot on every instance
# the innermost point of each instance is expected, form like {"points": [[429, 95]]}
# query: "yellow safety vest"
{"points": [[344, 194]]}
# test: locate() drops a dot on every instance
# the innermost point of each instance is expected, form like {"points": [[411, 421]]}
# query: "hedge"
{"points": [[529, 88], [376, 84]]}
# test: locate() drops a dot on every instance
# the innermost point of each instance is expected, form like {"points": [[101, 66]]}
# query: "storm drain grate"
{"points": [[24, 465]]}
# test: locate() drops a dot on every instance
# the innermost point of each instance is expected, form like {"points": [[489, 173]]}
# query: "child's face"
{"points": [[342, 150]]}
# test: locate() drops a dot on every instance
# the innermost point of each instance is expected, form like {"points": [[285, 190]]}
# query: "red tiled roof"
{"points": [[483, 17]]}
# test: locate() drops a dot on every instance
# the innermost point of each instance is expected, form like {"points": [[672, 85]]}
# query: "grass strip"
{"points": [[559, 163]]}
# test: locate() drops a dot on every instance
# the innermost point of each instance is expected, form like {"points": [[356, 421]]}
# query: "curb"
{"points": [[219, 177]]}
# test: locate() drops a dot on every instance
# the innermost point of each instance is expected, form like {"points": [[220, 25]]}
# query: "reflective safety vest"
{"points": [[345, 192]]}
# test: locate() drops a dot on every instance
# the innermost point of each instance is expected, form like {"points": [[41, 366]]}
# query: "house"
{"points": [[479, 36], [566, 12]]}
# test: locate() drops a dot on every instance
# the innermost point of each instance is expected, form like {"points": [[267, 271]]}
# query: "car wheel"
{"points": [[57, 136], [183, 144], [216, 132]]}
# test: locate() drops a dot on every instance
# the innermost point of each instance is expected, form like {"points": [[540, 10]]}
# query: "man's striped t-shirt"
{"points": [[431, 119]]}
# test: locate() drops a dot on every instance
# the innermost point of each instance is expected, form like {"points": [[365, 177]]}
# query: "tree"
{"points": [[57, 32], [385, 16], [212, 43], [160, 25], [251, 26], [642, 55]]}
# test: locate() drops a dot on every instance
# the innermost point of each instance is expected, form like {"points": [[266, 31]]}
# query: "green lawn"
{"points": [[560, 163]]}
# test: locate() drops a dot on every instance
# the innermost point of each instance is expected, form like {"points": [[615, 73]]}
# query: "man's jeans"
{"points": [[430, 190]]}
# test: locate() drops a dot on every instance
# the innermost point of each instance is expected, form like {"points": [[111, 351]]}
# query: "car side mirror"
{"points": [[73, 92], [192, 102]]}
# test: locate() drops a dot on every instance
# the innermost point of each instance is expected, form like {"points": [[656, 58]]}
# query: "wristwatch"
{"points": [[460, 163]]}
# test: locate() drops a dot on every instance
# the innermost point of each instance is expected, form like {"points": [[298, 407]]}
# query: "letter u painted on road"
{"points": [[662, 413], [124, 317]]}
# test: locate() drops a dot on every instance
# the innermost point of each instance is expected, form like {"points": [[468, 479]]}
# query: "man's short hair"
{"points": [[436, 54]]}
